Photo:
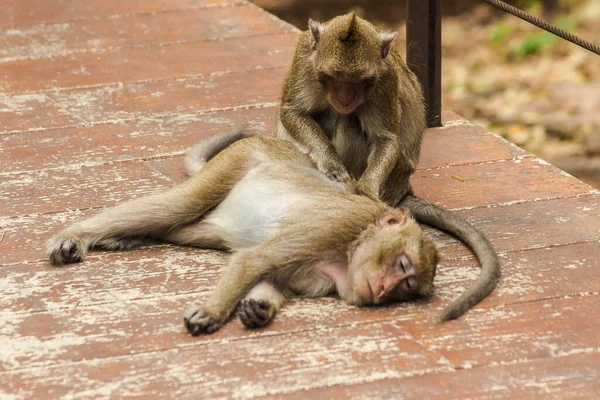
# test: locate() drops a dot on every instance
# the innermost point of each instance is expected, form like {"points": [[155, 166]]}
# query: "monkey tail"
{"points": [[202, 152], [447, 221]]}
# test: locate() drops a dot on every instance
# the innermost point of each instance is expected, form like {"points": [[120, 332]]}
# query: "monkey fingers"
{"points": [[364, 189], [255, 313], [335, 172], [198, 321]]}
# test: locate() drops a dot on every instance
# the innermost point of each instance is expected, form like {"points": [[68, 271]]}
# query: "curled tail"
{"points": [[196, 157], [445, 220]]}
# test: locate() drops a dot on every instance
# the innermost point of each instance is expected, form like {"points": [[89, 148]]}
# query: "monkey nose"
{"points": [[386, 286], [345, 94]]}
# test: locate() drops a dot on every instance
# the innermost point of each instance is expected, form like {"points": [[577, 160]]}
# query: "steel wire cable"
{"points": [[545, 25]]}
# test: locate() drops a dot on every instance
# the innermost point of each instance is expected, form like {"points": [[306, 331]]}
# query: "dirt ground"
{"points": [[527, 85]]}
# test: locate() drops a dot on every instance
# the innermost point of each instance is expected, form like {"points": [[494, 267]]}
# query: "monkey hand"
{"points": [[198, 321], [65, 250], [334, 170], [255, 313], [363, 189]]}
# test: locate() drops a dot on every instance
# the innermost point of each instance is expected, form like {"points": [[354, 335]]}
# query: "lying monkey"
{"points": [[293, 231]]}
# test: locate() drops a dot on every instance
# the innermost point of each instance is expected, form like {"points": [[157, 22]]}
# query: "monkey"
{"points": [[351, 103], [354, 107], [291, 230]]}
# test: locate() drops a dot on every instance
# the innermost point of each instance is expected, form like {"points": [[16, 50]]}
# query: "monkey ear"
{"points": [[316, 28], [392, 217], [385, 40]]}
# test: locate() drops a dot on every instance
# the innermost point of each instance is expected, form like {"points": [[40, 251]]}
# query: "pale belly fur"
{"points": [[252, 211]]}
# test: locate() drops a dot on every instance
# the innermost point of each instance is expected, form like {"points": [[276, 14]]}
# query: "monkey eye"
{"points": [[410, 285], [369, 81], [322, 77], [404, 264]]}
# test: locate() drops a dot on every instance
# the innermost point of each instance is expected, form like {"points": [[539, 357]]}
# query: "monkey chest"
{"points": [[350, 140], [311, 283]]}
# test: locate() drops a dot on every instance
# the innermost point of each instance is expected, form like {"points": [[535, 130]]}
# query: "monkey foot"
{"points": [[198, 321], [65, 250], [255, 313]]}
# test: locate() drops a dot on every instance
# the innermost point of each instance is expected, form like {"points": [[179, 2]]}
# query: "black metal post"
{"points": [[424, 52]]}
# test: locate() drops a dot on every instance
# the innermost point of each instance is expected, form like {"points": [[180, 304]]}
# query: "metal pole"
{"points": [[424, 53]]}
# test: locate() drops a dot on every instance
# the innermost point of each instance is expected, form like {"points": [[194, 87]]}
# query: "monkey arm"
{"points": [[244, 270], [304, 131], [383, 158]]}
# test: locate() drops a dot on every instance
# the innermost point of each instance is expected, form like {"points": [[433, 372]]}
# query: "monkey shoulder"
{"points": [[305, 282], [307, 97], [302, 56], [304, 42]]}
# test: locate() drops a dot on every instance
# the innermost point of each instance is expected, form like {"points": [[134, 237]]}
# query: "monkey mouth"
{"points": [[343, 109]]}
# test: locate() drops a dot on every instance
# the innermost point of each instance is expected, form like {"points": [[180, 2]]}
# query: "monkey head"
{"points": [[392, 260], [348, 57]]}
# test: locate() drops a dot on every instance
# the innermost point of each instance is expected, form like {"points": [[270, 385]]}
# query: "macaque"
{"points": [[291, 230], [353, 106], [350, 102]]}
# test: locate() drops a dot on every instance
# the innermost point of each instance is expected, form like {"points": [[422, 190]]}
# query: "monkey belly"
{"points": [[252, 211]]}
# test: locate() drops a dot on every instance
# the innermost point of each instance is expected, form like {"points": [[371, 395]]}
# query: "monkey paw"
{"points": [[198, 321], [65, 250], [364, 189], [338, 174], [255, 313]]}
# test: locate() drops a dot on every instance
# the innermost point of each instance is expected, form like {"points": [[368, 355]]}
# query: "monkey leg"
{"points": [[64, 248], [120, 227], [130, 223], [260, 305], [198, 234]]}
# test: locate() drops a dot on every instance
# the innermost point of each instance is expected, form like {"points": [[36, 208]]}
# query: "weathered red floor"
{"points": [[99, 99]]}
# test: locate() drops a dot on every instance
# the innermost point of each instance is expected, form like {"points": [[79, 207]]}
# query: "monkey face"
{"points": [[349, 55], [346, 93], [395, 261]]}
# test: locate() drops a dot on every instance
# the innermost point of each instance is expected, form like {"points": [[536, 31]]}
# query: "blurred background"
{"points": [[531, 87]]}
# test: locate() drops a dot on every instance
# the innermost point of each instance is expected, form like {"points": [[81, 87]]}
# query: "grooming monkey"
{"points": [[293, 231], [350, 102], [352, 105]]}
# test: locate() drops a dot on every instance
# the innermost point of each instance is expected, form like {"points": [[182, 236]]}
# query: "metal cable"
{"points": [[545, 26]]}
